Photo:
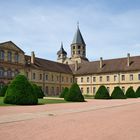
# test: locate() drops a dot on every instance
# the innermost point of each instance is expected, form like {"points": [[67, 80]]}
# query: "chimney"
{"points": [[101, 62], [128, 59], [32, 57], [76, 65]]}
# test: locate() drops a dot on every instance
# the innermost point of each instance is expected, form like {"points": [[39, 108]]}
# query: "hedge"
{"points": [[130, 93], [64, 92]]}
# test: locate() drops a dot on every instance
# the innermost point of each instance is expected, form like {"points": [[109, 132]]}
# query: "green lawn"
{"points": [[40, 101]]}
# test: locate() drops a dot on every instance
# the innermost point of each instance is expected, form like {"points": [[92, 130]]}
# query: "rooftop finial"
{"points": [[77, 24], [61, 44]]}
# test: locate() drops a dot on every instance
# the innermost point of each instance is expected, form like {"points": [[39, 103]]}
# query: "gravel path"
{"points": [[94, 119]]}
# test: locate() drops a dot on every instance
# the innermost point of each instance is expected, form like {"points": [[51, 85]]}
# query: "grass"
{"points": [[40, 101]]}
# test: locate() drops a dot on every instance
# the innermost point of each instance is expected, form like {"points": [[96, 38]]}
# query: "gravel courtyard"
{"points": [[92, 120]]}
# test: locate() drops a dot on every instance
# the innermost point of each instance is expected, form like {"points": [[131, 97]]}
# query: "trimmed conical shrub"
{"points": [[138, 92], [118, 93], [38, 91], [130, 93], [20, 92], [64, 92], [102, 93], [3, 90], [74, 94]]}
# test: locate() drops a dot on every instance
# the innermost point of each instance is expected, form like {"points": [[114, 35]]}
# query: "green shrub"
{"points": [[20, 92], [102, 93], [3, 90], [138, 92], [38, 91], [74, 94], [64, 92], [118, 93], [130, 93]]}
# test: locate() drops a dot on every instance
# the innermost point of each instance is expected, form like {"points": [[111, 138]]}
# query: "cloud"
{"points": [[42, 26]]}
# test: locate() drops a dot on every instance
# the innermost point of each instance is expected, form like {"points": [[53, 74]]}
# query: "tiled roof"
{"points": [[109, 66]]}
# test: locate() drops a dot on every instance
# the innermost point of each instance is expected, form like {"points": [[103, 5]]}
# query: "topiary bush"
{"points": [[102, 93], [74, 94], [118, 93], [138, 92], [64, 92], [20, 92], [130, 93], [38, 91], [3, 90]]}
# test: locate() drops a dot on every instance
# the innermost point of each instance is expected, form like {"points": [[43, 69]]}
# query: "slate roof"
{"points": [[78, 39], [109, 66], [61, 51], [49, 65]]}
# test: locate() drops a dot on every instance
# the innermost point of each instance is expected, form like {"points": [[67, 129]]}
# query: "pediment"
{"points": [[10, 46]]}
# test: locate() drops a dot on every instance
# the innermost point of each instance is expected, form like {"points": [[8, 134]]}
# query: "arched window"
{"points": [[9, 56], [1, 55], [1, 72], [16, 57]]}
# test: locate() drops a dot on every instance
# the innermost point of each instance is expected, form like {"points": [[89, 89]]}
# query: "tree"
{"points": [[118, 93], [38, 91], [64, 92], [138, 92], [74, 94], [20, 92], [3, 90], [130, 93], [102, 93]]}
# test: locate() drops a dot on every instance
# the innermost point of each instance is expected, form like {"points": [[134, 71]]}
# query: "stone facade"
{"points": [[53, 77]]}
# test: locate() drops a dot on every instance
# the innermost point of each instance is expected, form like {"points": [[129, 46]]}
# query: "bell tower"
{"points": [[78, 46]]}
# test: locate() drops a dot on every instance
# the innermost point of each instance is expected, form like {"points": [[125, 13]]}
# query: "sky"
{"points": [[110, 28]]}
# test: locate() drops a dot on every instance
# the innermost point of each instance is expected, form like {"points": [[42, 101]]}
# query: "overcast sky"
{"points": [[110, 28]]}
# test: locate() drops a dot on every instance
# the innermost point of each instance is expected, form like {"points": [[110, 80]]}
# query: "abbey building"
{"points": [[54, 76]]}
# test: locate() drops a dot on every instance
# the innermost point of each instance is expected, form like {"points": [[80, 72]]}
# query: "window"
{"points": [[100, 78], [73, 47], [115, 77], [94, 90], [40, 77], [88, 79], [138, 76], [62, 79], [1, 55], [83, 52], [79, 52], [52, 78], [79, 47], [1, 72], [47, 90], [67, 79], [82, 90], [87, 90], [108, 89], [46, 77], [16, 57], [81, 79], [52, 91], [131, 77], [57, 78], [94, 79], [33, 76], [123, 89], [107, 78], [16, 72], [57, 91], [123, 77], [9, 56], [9, 73]]}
